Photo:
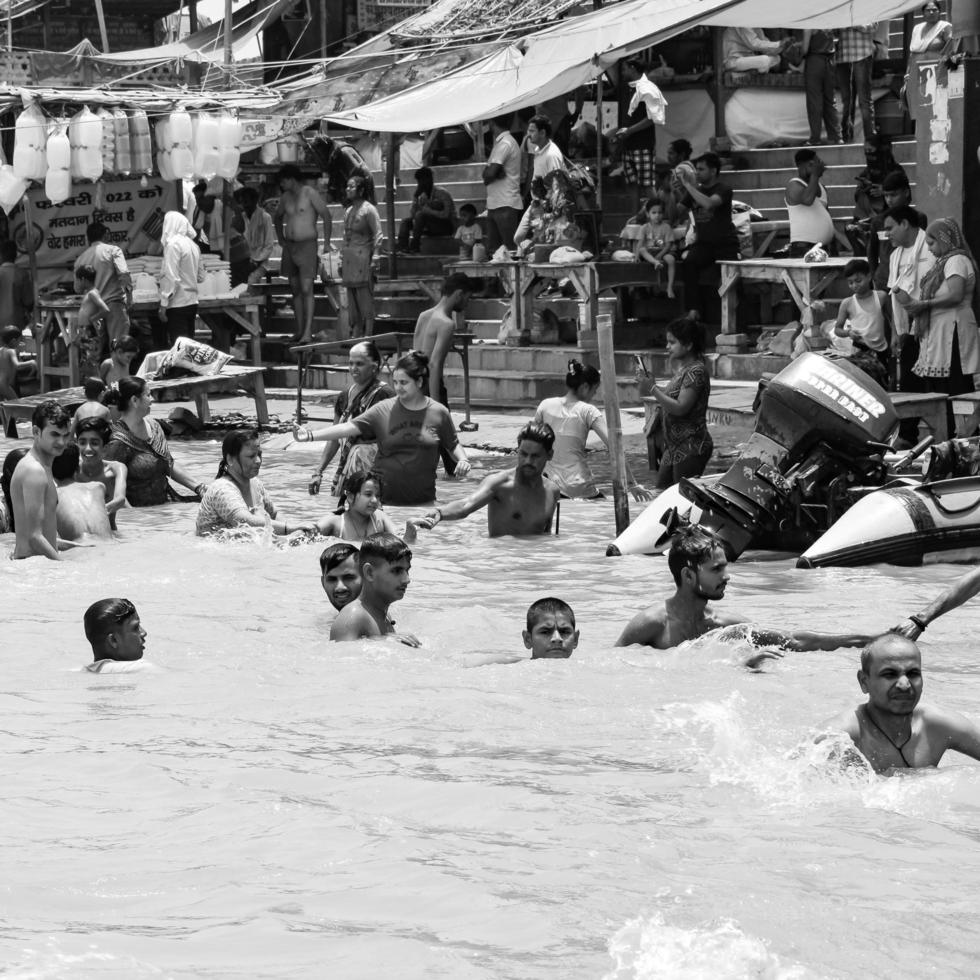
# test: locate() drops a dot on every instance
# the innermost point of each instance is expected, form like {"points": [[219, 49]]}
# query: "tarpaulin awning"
{"points": [[550, 62]]}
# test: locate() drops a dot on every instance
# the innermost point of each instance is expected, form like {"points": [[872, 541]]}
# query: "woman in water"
{"points": [[572, 418], [362, 239], [678, 438], [356, 456], [138, 442], [409, 429], [945, 318], [363, 515], [238, 498]]}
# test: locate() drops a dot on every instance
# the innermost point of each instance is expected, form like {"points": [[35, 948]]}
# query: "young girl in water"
{"points": [[117, 365], [363, 514]]}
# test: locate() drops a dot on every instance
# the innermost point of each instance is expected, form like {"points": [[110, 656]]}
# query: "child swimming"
{"points": [[363, 515], [118, 639]]}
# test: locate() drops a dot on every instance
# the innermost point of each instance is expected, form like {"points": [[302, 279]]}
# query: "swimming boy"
{"points": [[118, 639], [340, 575], [33, 493], [385, 564], [82, 515], [92, 435], [520, 502], [13, 368], [891, 729], [551, 632], [700, 569]]}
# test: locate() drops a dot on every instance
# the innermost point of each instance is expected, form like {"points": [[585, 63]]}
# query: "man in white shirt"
{"points": [[908, 263], [112, 278], [547, 157], [502, 177]]}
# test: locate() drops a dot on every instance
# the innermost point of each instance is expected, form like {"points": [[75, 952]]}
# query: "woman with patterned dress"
{"points": [[677, 436]]}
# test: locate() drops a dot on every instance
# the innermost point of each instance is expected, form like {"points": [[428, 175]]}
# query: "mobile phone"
{"points": [[641, 366]]}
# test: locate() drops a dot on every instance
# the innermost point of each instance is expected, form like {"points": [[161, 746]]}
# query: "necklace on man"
{"points": [[889, 739]]}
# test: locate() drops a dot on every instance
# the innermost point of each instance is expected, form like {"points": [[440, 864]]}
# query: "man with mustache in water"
{"points": [[700, 568], [891, 729], [518, 502]]}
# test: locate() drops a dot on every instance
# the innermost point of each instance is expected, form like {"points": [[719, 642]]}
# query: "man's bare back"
{"points": [[82, 512], [434, 331], [356, 622], [35, 500], [519, 509]]}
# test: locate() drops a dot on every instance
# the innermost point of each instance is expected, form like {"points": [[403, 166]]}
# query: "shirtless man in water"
{"points": [[700, 569], [32, 490], [521, 502], [295, 221], [435, 328], [891, 729]]}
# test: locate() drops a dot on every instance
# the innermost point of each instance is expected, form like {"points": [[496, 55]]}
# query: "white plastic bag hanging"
{"points": [[85, 136], [141, 146], [207, 153], [181, 133], [230, 140], [30, 138], [123, 155], [108, 145], [12, 188], [57, 181]]}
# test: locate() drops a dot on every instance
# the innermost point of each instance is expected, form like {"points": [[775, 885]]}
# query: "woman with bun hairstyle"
{"points": [[138, 442], [572, 417], [678, 440], [409, 430]]}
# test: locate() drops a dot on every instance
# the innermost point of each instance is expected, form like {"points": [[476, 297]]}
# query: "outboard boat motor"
{"points": [[821, 426]]}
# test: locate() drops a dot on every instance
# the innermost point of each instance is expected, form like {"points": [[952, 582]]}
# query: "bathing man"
{"points": [[551, 632], [521, 502], [697, 561], [385, 563], [891, 729], [113, 628], [339, 574], [32, 490], [296, 221]]}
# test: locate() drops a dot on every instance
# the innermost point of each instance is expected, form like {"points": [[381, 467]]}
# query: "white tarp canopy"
{"points": [[550, 62]]}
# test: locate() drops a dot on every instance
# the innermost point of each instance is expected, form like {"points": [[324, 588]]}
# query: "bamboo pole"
{"points": [[229, 83], [598, 141], [610, 398], [100, 13], [390, 206]]}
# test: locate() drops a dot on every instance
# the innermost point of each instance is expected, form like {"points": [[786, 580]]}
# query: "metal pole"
{"points": [[610, 398], [390, 206], [102, 31]]}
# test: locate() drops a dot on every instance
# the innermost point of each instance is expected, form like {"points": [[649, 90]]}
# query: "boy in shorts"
{"points": [[113, 628], [385, 563], [340, 574]]}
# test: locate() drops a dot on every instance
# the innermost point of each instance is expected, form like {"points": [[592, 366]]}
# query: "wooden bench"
{"points": [[232, 379]]}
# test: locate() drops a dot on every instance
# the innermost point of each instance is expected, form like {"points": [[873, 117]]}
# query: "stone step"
{"points": [[461, 191], [842, 176], [904, 151], [443, 172]]}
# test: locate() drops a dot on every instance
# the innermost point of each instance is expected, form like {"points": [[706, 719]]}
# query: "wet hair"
{"points": [[541, 122], [457, 281], [903, 212], [102, 618], [383, 547], [683, 148], [8, 251], [804, 156], [93, 389], [85, 273], [122, 393], [710, 160], [467, 209], [9, 334], [125, 343], [897, 180], [415, 364], [289, 171], [6, 476], [548, 605], [64, 467], [691, 547], [539, 432], [49, 412], [97, 425], [336, 555], [233, 443], [96, 231], [581, 374], [856, 267], [370, 348], [689, 330]]}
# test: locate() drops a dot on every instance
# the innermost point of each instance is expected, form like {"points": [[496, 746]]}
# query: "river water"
{"points": [[260, 803]]}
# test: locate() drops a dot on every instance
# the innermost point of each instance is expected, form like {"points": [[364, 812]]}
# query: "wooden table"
{"points": [[388, 343], [231, 379], [770, 229], [806, 282]]}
